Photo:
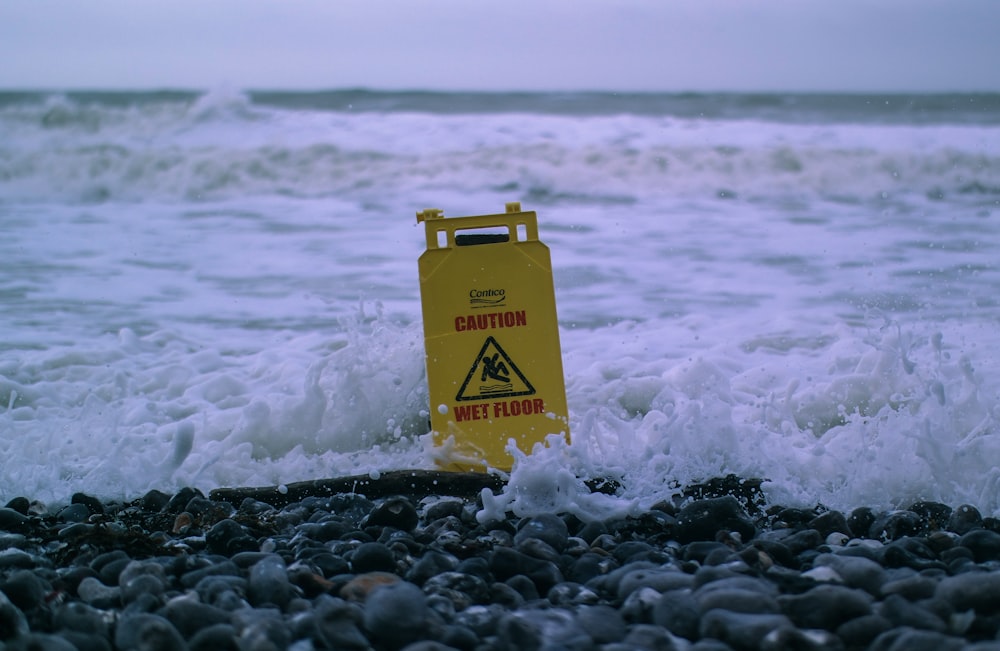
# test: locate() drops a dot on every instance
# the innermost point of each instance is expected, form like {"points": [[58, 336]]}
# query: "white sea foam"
{"points": [[217, 293]]}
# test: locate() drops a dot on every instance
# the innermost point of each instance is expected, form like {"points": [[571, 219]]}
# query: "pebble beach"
{"points": [[713, 570]]}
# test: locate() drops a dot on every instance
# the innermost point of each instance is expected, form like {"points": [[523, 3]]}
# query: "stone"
{"points": [[13, 623], [933, 515], [659, 579], [859, 632], [984, 544], [830, 522], [908, 639], [550, 529], [397, 614], [702, 519], [678, 612], [895, 524], [189, 615], [98, 595], [218, 637], [228, 538], [94, 505], [826, 606], [973, 590], [14, 521], [741, 630], [602, 623], [25, 589], [647, 636], [856, 571], [902, 612], [268, 583], [396, 512], [964, 519], [532, 630], [147, 631], [737, 601], [860, 521], [372, 557], [507, 562]]}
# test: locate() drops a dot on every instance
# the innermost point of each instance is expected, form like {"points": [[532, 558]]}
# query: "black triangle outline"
{"points": [[513, 367]]}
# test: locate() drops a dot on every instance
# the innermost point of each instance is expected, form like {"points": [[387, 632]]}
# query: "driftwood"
{"points": [[412, 483], [467, 485]]}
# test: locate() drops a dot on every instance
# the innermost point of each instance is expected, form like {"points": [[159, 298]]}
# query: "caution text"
{"points": [[491, 321], [500, 409]]}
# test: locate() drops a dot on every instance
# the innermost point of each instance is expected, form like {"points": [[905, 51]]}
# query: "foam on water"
{"points": [[218, 293]]}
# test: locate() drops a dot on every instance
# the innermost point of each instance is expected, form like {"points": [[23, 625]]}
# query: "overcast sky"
{"points": [[648, 45]]}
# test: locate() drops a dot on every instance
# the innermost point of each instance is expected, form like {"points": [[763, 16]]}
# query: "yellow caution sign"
{"points": [[494, 366]]}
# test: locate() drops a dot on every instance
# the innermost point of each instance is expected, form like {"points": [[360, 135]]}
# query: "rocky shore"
{"points": [[715, 569]]}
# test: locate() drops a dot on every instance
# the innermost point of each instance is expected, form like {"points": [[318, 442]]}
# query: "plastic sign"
{"points": [[494, 367]]}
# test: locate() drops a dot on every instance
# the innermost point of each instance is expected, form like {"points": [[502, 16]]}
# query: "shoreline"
{"points": [[715, 569]]}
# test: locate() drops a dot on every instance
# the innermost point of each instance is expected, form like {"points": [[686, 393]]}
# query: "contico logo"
{"points": [[487, 297]]}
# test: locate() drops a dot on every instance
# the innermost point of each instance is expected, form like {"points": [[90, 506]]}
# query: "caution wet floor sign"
{"points": [[494, 366]]}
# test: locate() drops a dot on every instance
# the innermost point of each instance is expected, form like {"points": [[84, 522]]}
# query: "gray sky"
{"points": [[670, 45]]}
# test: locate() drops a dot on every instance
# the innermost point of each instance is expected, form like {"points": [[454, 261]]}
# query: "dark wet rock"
{"points": [[934, 516], [830, 522], [36, 641], [507, 563], [397, 614], [908, 639], [984, 545], [913, 588], [74, 513], [25, 589], [538, 629], [602, 623], [902, 612], [550, 529], [702, 519], [13, 623], [229, 537], [147, 631], [19, 504], [372, 557], [964, 519], [736, 600], [396, 512], [860, 521], [911, 552], [94, 505], [14, 521], [656, 578], [804, 540], [397, 572], [268, 583], [894, 525], [856, 571], [859, 632], [973, 590], [741, 630], [190, 616], [678, 612], [219, 637], [826, 606], [180, 499]]}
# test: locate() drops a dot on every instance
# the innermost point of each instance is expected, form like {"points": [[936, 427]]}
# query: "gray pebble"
{"points": [[398, 614], [147, 631], [741, 630]]}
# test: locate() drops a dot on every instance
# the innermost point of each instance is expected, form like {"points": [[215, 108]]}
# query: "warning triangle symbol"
{"points": [[494, 375]]}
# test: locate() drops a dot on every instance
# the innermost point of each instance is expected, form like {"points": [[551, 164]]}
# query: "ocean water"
{"points": [[220, 289]]}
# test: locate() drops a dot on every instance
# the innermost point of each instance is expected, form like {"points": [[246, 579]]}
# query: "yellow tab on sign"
{"points": [[494, 366]]}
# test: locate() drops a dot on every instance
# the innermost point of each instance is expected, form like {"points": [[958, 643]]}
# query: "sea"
{"points": [[219, 289]]}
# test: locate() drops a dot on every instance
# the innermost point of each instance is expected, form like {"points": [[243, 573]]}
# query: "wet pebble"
{"points": [[188, 572]]}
